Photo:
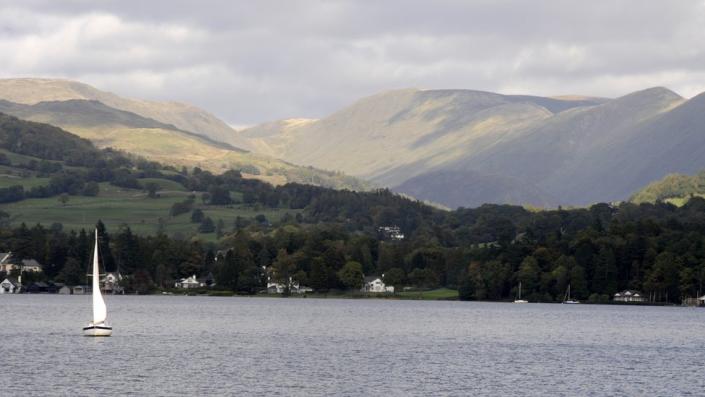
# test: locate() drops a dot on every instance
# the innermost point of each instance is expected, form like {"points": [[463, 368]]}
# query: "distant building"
{"points": [[111, 283], [31, 265], [65, 290], [279, 288], [188, 283], [629, 296], [390, 233], [9, 285], [701, 301], [82, 290], [8, 263], [376, 285]]}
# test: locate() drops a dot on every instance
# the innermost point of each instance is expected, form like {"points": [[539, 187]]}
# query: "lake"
{"points": [[178, 345]]}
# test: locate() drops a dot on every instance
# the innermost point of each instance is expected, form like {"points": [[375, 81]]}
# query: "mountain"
{"points": [[107, 126], [464, 148], [395, 136], [31, 91]]}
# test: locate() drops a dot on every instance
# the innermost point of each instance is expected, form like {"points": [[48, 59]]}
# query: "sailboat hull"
{"points": [[97, 330]]}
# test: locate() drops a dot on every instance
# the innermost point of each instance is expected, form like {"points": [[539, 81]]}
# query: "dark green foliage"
{"points": [[182, 207], [206, 226], [351, 275], [197, 216]]}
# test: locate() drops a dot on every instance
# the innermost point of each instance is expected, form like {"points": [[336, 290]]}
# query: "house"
{"points": [[629, 296], [701, 301], [65, 290], [8, 263], [31, 265], [294, 287], [10, 285], [390, 233], [189, 282], [82, 290], [111, 283], [375, 284], [5, 264]]}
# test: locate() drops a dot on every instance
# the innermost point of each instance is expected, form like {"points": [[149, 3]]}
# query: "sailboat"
{"points": [[97, 327], [518, 299], [566, 297]]}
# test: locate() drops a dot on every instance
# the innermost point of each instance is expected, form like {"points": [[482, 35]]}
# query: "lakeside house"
{"points": [[111, 283], [195, 282], [279, 288], [10, 285], [375, 284], [629, 296], [294, 288], [81, 290], [189, 282], [9, 263]]}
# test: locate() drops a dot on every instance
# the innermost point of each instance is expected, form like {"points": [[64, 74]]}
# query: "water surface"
{"points": [[177, 345]]}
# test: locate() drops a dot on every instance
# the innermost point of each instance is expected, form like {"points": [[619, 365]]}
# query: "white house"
{"points": [[629, 296], [391, 232], [376, 285], [294, 287], [189, 282], [111, 283], [9, 286], [8, 263]]}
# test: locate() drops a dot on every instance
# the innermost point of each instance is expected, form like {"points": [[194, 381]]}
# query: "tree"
{"points": [[63, 198], [151, 189], [219, 196], [318, 277], [283, 269], [528, 275], [197, 216], [423, 278], [91, 189], [351, 275], [206, 225], [394, 276], [71, 272], [219, 226]]}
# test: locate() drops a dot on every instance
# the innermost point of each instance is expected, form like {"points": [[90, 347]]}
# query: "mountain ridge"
{"points": [[559, 151]]}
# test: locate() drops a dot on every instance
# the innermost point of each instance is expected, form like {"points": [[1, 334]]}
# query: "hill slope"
{"points": [[513, 149], [186, 117], [109, 127]]}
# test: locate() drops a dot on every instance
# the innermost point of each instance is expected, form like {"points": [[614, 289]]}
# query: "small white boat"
{"points": [[97, 327], [566, 298], [518, 299]]}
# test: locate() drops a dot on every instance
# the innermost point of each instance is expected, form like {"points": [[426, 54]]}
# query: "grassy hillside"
{"points": [[675, 188], [109, 127], [117, 206]]}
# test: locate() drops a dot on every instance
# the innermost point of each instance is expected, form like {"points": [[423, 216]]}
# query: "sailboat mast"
{"points": [[96, 281]]}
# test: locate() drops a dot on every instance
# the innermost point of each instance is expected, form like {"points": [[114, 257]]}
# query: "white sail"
{"points": [[100, 312]]}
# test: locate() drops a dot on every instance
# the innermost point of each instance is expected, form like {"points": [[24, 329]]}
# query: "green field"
{"points": [[435, 294], [116, 206], [10, 179]]}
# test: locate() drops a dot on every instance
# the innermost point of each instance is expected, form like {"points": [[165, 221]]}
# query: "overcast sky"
{"points": [[255, 61]]}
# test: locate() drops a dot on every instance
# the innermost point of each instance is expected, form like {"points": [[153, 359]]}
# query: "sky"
{"points": [[249, 62]]}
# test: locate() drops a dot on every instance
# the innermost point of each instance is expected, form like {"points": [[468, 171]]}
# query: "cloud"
{"points": [[250, 62]]}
